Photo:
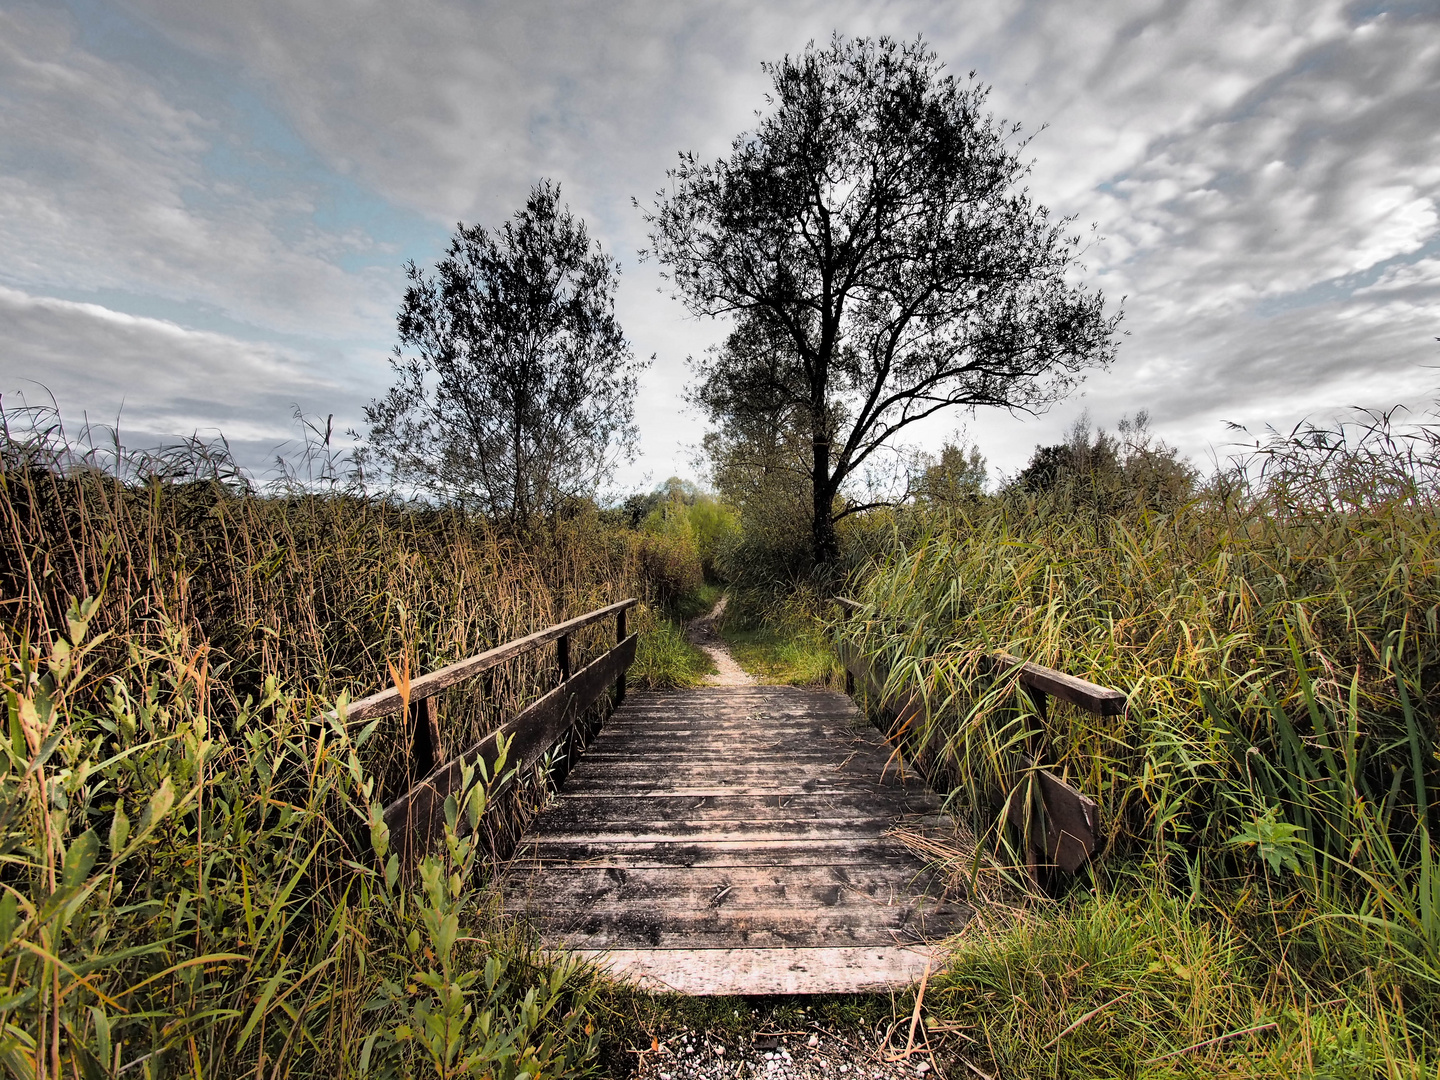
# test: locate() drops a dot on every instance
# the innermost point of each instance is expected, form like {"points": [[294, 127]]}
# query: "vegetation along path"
{"points": [[734, 840]]}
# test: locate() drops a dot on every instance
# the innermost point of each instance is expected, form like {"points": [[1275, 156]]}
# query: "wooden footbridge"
{"points": [[734, 840]]}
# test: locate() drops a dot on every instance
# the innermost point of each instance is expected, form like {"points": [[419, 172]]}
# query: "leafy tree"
{"points": [[881, 260], [956, 477], [517, 391], [1108, 472]]}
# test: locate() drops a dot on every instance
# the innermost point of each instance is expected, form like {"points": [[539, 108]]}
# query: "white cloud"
{"points": [[1252, 165], [107, 183], [156, 378]]}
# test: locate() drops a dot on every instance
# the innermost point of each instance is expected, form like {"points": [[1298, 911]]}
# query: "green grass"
{"points": [[803, 658], [664, 659], [1127, 984]]}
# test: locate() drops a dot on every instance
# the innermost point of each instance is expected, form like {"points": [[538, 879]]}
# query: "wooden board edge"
{"points": [[780, 971]]}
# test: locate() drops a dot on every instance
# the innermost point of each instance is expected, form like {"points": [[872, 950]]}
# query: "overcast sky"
{"points": [[205, 205]]}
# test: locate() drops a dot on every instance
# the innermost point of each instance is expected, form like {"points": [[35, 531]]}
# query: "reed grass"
{"points": [[1278, 641], [194, 876]]}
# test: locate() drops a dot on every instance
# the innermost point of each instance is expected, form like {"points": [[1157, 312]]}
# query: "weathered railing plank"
{"points": [[391, 700], [1071, 822], [1088, 695], [417, 818]]}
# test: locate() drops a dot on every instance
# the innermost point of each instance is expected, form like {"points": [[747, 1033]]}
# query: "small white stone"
{"points": [[922, 1068], [664, 1076], [719, 1051], [814, 1041]]}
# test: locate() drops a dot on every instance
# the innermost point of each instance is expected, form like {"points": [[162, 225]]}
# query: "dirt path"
{"points": [[700, 632]]}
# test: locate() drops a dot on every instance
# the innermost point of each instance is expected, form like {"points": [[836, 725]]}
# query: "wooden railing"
{"points": [[1061, 824], [416, 819]]}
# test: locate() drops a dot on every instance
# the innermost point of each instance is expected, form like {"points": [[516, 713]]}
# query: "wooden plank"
{"points": [[1070, 821], [417, 818], [796, 735], [702, 972], [859, 769], [388, 701], [759, 757], [1088, 695], [664, 927], [666, 810], [758, 831], [863, 851], [596, 888], [692, 788]]}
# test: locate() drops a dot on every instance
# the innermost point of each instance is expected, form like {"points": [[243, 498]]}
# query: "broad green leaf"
{"points": [[80, 859]]}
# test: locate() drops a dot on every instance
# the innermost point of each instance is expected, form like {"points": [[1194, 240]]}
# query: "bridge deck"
{"points": [[733, 840]]}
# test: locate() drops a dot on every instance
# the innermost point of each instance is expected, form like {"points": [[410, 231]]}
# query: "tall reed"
{"points": [[194, 875], [1279, 644]]}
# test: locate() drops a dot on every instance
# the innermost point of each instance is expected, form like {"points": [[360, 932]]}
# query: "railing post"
{"points": [[562, 652], [619, 637], [849, 675]]}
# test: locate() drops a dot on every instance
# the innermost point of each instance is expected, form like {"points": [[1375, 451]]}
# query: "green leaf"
{"points": [[8, 909], [119, 830], [80, 859], [160, 805], [102, 1032]]}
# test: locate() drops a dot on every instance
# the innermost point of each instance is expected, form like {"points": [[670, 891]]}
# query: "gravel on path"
{"points": [[700, 632], [792, 1055]]}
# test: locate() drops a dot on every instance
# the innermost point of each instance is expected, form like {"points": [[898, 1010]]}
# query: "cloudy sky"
{"points": [[205, 205]]}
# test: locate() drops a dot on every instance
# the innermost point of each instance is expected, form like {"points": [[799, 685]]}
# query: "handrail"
{"points": [[416, 817], [1045, 680], [390, 700], [1067, 833]]}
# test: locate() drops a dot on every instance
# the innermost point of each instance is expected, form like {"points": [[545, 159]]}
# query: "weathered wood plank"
{"points": [[1071, 821], [767, 971], [844, 852], [656, 927], [734, 888], [390, 700], [753, 831], [622, 789], [606, 754], [1088, 695], [666, 811]]}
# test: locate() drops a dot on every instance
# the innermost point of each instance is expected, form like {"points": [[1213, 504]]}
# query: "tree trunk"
{"points": [[824, 545]]}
